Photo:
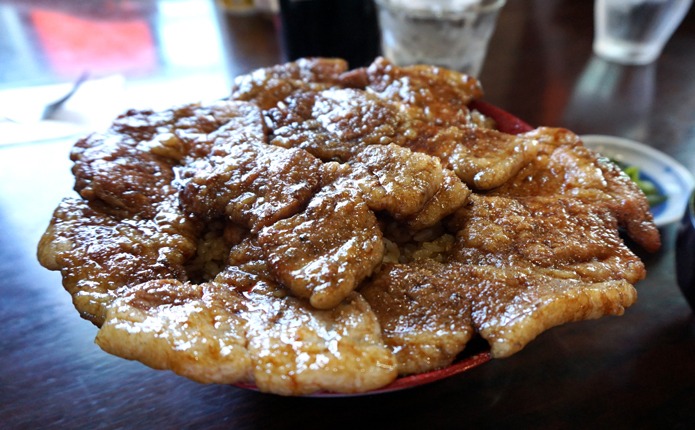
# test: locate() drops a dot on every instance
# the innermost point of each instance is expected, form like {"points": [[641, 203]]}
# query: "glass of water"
{"points": [[635, 31], [447, 33]]}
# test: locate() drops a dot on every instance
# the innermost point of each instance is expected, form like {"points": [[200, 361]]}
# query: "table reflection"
{"points": [[609, 98]]}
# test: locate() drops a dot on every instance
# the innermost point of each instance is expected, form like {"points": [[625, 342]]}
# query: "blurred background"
{"points": [[635, 372], [151, 46], [161, 52]]}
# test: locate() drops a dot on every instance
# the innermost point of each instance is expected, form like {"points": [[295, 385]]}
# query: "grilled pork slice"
{"points": [[254, 186], [512, 305], [548, 232], [395, 179], [425, 318], [97, 252], [335, 124], [537, 262], [213, 332], [566, 168], [483, 158], [268, 86], [425, 93], [136, 163], [324, 252]]}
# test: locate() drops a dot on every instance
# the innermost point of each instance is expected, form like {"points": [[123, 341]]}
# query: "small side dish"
{"points": [[665, 182]]}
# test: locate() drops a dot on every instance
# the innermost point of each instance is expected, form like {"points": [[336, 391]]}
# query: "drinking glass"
{"points": [[635, 31], [447, 33]]}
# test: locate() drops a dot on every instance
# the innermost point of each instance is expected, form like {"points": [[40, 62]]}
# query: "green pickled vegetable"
{"points": [[654, 197]]}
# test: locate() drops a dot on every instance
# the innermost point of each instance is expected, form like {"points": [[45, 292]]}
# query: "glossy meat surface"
{"points": [[213, 333], [329, 230], [433, 95], [336, 123], [564, 167], [395, 179], [254, 185], [268, 86], [97, 252], [538, 262], [426, 320], [560, 234], [324, 252]]}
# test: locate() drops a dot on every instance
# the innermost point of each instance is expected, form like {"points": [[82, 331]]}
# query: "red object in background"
{"points": [[505, 121], [74, 44]]}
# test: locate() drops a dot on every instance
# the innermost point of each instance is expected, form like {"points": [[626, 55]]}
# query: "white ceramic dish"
{"points": [[671, 178]]}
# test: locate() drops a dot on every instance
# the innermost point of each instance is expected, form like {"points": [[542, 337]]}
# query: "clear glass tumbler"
{"points": [[635, 31], [447, 33]]}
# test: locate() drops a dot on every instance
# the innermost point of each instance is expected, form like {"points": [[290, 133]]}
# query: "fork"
{"points": [[50, 110]]}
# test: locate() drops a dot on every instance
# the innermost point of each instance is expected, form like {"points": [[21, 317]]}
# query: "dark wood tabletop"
{"points": [[633, 371]]}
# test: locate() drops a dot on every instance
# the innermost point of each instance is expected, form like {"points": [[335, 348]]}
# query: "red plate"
{"points": [[473, 356]]}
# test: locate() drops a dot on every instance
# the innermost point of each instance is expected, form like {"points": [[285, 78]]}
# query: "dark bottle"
{"points": [[685, 253], [330, 28]]}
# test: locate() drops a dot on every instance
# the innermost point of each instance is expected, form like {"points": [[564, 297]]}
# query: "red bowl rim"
{"points": [[506, 122]]}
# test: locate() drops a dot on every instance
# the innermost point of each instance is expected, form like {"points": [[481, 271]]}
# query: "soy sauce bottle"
{"points": [[330, 28]]}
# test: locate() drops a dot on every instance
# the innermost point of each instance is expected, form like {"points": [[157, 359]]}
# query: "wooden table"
{"points": [[636, 371]]}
